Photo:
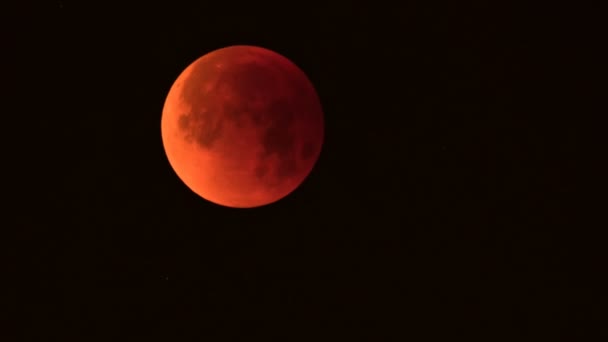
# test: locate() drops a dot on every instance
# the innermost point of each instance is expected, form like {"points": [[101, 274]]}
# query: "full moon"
{"points": [[242, 126]]}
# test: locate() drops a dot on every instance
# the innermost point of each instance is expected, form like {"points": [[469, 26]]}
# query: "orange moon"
{"points": [[242, 126]]}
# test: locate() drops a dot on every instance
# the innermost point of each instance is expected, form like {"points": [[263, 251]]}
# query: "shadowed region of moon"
{"points": [[242, 126]]}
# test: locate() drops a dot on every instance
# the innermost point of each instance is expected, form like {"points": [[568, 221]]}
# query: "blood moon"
{"points": [[242, 126]]}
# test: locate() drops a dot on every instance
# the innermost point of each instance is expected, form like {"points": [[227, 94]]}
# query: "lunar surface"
{"points": [[242, 126]]}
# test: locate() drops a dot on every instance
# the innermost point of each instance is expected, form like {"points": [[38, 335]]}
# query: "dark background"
{"points": [[441, 206]]}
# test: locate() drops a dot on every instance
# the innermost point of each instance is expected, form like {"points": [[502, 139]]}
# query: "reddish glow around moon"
{"points": [[242, 126]]}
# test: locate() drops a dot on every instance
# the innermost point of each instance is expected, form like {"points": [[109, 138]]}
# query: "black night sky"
{"points": [[440, 208]]}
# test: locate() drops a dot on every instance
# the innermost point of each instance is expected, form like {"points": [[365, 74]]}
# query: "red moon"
{"points": [[242, 126]]}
